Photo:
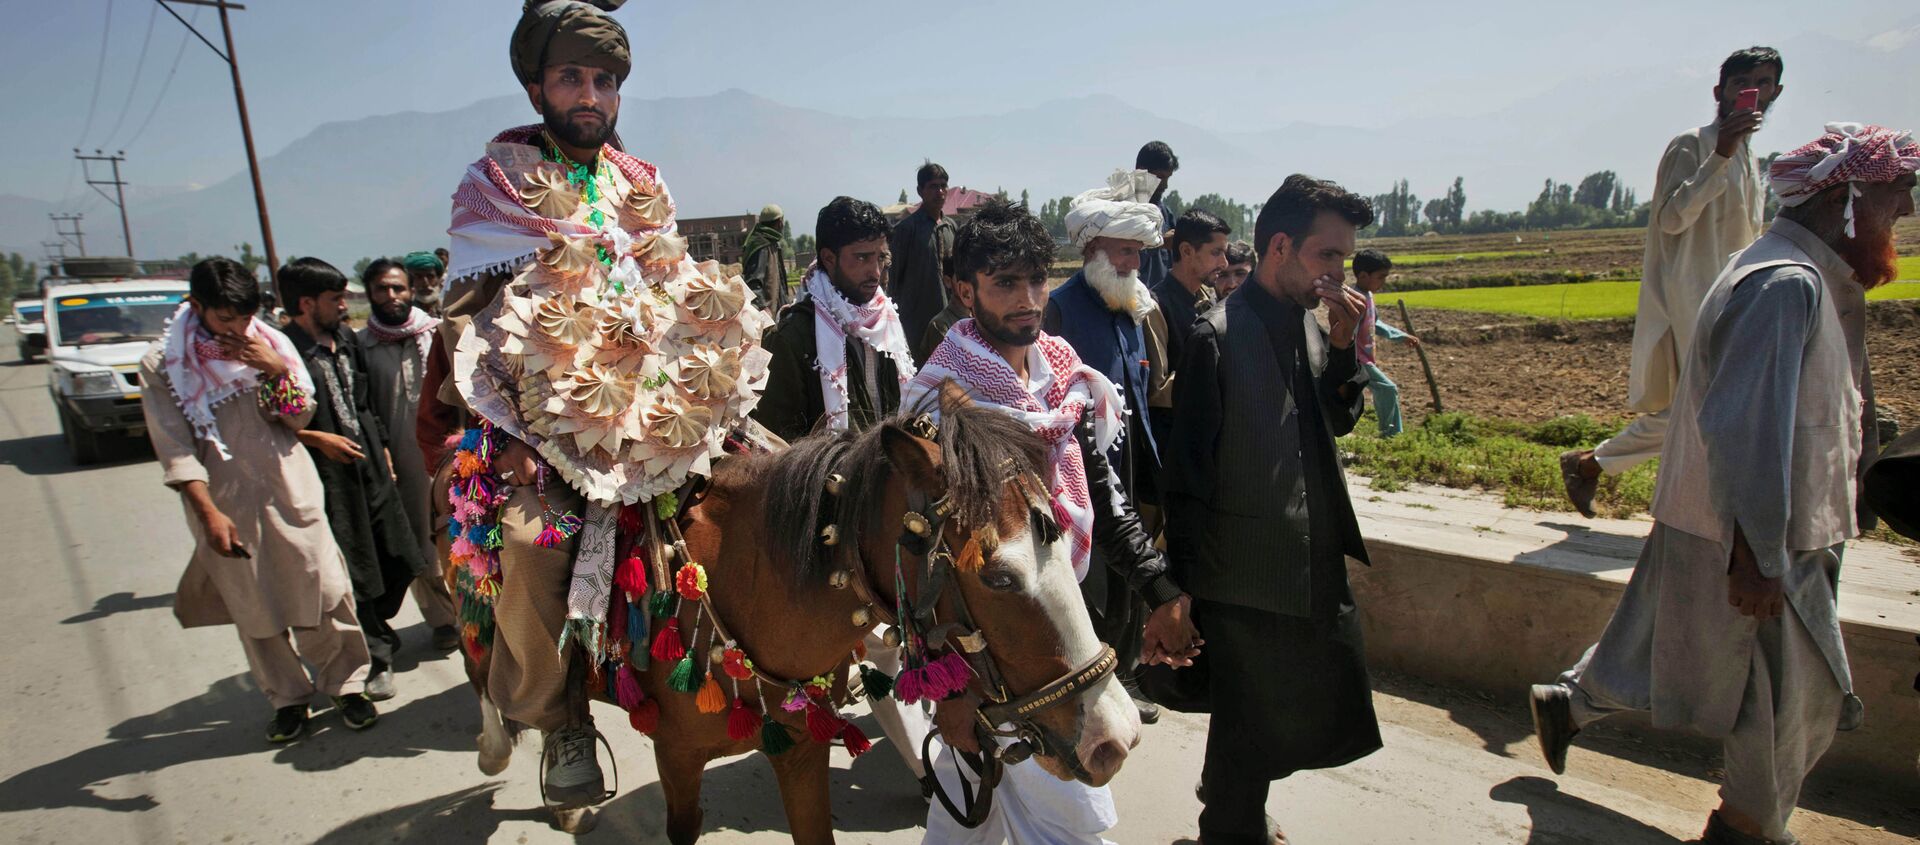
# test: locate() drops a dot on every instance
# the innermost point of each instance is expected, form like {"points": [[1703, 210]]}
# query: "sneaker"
{"points": [[572, 777], [357, 710], [1149, 711], [380, 685], [446, 638], [1552, 706], [289, 723]]}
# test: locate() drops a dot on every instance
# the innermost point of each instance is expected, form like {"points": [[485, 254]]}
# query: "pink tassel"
{"points": [[956, 671], [462, 548], [911, 686], [626, 688]]}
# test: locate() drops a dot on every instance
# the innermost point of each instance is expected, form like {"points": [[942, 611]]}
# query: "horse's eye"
{"points": [[1001, 581]]}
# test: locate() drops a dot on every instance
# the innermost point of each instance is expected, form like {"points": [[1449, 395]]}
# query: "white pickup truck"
{"points": [[29, 321], [96, 334]]}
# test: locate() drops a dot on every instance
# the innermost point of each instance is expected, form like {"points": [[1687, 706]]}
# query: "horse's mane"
{"points": [[982, 449]]}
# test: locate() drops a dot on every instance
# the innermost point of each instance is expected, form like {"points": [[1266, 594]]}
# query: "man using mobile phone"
{"points": [[226, 396], [1707, 203]]}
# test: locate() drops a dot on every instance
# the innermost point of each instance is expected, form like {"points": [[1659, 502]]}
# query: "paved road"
{"points": [[118, 726]]}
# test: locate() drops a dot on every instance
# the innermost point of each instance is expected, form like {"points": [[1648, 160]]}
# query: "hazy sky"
{"points": [[1231, 64]]}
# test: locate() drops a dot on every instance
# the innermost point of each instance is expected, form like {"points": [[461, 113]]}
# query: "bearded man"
{"points": [[840, 354], [425, 273], [1729, 627], [1100, 312], [396, 345], [348, 442], [1003, 360], [596, 364], [1706, 205]]}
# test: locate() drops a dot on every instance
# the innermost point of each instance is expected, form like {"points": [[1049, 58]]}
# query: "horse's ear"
{"points": [[917, 459], [953, 397]]}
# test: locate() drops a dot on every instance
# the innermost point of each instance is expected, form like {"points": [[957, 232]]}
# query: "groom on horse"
{"points": [[594, 366], [1002, 360]]}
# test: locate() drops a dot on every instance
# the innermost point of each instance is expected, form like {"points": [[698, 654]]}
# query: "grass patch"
{"points": [[1520, 461], [1424, 259], [1584, 301]]}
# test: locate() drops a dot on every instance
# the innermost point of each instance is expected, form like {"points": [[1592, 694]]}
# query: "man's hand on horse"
{"points": [[955, 718], [516, 464], [1170, 637]]}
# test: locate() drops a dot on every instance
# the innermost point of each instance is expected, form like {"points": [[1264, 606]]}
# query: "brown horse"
{"points": [[799, 604]]}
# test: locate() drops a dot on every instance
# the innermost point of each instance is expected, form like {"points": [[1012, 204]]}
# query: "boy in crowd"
{"points": [[1370, 270]]}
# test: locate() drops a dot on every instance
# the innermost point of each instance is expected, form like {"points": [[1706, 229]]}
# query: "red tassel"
{"points": [[631, 575], [741, 722], [857, 742], [630, 520], [646, 717], [823, 724], [626, 688], [666, 646]]}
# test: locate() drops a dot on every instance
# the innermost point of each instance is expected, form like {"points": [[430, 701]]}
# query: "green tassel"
{"points": [[879, 684], [774, 739], [682, 677], [660, 604]]}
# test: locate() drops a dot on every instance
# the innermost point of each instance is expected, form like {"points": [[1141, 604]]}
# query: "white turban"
{"points": [[1123, 209]]}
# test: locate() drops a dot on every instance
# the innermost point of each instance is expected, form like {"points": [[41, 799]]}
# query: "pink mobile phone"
{"points": [[1747, 100]]}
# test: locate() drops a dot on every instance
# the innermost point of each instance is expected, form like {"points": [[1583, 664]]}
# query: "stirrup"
{"points": [[547, 751]]}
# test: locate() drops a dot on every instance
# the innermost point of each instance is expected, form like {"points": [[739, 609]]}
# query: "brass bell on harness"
{"points": [[835, 483], [840, 579], [830, 535], [916, 523], [862, 617], [891, 637], [717, 654]]}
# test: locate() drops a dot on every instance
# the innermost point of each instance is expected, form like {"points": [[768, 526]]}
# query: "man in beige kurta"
{"points": [[397, 339], [1706, 206], [264, 559]]}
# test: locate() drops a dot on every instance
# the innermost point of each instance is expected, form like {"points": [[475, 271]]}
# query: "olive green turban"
{"points": [[569, 32]]}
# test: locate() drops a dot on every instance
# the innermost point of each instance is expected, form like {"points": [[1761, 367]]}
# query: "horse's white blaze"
{"points": [[496, 746], [1046, 570]]}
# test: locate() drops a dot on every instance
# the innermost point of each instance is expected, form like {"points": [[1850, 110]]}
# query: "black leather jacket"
{"points": [[1117, 532]]}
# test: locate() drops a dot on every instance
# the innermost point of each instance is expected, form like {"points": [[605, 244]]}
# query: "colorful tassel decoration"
{"points": [[878, 684], [856, 740], [646, 717], [627, 688], [711, 698], [631, 575], [682, 678], [774, 737], [796, 701], [741, 722], [667, 645], [691, 581], [660, 605], [823, 724]]}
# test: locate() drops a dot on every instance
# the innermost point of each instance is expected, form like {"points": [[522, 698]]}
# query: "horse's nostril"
{"points": [[1106, 758]]}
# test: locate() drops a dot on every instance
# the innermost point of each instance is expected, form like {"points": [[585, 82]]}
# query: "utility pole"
{"points": [[240, 101], [119, 198], [75, 237]]}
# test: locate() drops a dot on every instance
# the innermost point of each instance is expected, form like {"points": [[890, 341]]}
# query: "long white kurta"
{"points": [[1705, 208], [271, 491]]}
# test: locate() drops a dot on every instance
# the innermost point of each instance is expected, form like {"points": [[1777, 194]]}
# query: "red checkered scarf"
{"points": [[419, 324], [875, 325], [494, 231], [201, 375], [1848, 153], [1067, 387]]}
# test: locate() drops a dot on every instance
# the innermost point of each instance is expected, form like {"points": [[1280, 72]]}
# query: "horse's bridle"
{"points": [[924, 536]]}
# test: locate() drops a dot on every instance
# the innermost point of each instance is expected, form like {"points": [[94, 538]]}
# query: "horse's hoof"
{"points": [[575, 821], [491, 766]]}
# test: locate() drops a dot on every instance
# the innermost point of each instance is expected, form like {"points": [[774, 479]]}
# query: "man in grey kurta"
{"points": [[921, 243], [224, 398], [395, 344], [1730, 625]]}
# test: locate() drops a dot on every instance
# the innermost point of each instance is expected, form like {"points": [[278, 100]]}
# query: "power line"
{"points": [[164, 86], [99, 72], [139, 66]]}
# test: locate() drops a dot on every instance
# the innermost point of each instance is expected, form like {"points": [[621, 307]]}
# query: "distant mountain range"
{"points": [[380, 185]]}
